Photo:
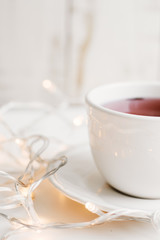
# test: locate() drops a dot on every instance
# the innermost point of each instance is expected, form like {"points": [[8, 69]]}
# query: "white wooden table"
{"points": [[53, 206]]}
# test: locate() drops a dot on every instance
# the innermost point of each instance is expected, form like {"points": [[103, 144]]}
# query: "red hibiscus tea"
{"points": [[138, 106]]}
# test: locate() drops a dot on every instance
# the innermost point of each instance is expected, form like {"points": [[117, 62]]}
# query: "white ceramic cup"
{"points": [[126, 147]]}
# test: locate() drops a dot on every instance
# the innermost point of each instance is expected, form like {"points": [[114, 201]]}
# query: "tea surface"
{"points": [[138, 106]]}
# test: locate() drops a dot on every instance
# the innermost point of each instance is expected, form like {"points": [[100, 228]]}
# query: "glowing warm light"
{"points": [[100, 133], [19, 141], [115, 154], [48, 85], [91, 207], [24, 191], [78, 121], [63, 147]]}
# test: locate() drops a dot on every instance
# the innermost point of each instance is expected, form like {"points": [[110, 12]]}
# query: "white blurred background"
{"points": [[75, 44]]}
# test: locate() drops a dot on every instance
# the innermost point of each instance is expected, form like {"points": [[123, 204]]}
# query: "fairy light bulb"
{"points": [[24, 191], [93, 208], [78, 121], [49, 85], [19, 142]]}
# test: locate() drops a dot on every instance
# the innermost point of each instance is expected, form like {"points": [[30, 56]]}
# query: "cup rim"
{"points": [[117, 113]]}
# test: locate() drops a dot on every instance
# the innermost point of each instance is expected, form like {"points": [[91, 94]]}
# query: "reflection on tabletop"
{"points": [[52, 205]]}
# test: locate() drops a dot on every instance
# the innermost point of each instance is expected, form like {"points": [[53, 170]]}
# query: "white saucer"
{"points": [[80, 180]]}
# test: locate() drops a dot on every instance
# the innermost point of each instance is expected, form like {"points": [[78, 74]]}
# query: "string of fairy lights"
{"points": [[19, 190]]}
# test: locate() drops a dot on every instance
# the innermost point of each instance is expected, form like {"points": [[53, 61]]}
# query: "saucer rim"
{"points": [[82, 200], [56, 182]]}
